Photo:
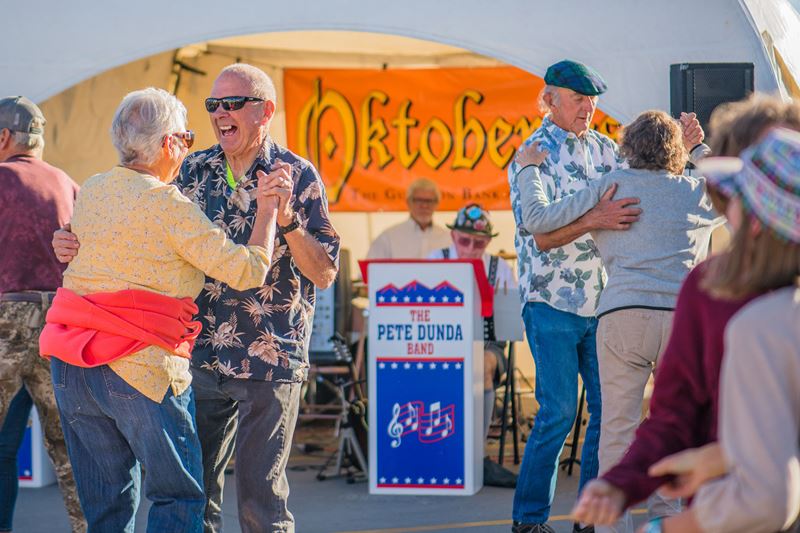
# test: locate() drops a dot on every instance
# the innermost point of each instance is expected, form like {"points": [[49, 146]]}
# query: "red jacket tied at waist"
{"points": [[95, 329]]}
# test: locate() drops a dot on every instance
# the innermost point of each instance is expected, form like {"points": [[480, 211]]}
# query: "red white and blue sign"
{"points": [[425, 377], [417, 294], [420, 438]]}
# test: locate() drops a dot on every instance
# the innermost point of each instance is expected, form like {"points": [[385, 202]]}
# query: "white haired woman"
{"points": [[120, 331]]}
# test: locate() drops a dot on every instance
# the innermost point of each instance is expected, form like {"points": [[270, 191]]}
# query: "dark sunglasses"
{"points": [[186, 136], [471, 242], [230, 103]]}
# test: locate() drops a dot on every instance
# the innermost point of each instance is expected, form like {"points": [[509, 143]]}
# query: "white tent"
{"points": [[50, 45], [79, 58]]}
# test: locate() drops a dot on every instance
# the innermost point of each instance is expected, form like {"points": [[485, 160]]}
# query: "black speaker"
{"points": [[701, 87]]}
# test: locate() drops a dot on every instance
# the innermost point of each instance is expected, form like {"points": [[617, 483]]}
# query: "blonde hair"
{"points": [[753, 264]]}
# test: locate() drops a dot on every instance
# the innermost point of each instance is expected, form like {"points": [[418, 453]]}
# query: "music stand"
{"points": [[510, 328], [348, 447]]}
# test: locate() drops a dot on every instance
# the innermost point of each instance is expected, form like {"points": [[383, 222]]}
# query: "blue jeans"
{"points": [[11, 436], [563, 346], [111, 429]]}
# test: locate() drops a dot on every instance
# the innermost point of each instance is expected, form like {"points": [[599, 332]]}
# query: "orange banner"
{"points": [[371, 132]]}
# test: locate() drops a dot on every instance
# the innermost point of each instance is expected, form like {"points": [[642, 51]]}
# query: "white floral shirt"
{"points": [[571, 277]]}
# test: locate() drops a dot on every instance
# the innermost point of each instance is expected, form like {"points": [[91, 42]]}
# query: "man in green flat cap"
{"points": [[561, 276]]}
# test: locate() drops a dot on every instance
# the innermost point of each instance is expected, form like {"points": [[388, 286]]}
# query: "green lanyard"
{"points": [[229, 177]]}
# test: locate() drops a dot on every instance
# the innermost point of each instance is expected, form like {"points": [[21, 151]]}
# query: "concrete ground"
{"points": [[334, 506]]}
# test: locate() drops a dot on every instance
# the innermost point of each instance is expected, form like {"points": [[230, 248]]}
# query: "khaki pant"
{"points": [[20, 364], [629, 344]]}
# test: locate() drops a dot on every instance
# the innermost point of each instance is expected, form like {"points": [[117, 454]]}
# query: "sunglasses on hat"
{"points": [[230, 103]]}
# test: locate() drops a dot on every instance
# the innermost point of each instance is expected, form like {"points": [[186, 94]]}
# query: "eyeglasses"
{"points": [[186, 136], [230, 103], [472, 242], [424, 201]]}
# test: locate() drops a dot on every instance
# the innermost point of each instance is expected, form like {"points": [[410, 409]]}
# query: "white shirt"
{"points": [[408, 241], [505, 276]]}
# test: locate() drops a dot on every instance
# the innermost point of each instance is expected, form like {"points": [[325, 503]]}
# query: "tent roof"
{"points": [[629, 41], [342, 42]]}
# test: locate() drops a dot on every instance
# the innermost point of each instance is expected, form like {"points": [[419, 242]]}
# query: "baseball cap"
{"points": [[17, 113]]}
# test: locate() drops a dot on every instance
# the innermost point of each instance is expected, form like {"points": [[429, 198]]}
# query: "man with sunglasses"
{"points": [[250, 361], [471, 233], [36, 198], [418, 236], [249, 365]]}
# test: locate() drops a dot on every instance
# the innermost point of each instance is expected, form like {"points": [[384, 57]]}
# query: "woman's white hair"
{"points": [[261, 85], [142, 121]]}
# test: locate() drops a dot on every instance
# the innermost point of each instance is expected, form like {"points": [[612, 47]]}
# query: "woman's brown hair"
{"points": [[654, 141]]}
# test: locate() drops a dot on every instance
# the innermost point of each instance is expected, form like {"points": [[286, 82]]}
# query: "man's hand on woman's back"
{"points": [[65, 244]]}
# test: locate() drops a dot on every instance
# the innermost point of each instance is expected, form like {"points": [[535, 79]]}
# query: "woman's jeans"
{"points": [[111, 429], [563, 345], [11, 436]]}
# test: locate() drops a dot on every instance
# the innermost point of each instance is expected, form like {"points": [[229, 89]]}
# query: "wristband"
{"points": [[293, 225]]}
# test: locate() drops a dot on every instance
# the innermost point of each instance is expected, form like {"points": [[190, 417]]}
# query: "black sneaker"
{"points": [[519, 527], [578, 529]]}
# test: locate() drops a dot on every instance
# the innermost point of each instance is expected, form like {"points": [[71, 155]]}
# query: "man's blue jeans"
{"points": [[563, 345], [11, 436], [110, 429]]}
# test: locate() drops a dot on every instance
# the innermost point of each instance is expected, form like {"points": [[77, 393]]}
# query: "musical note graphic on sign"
{"points": [[420, 421], [411, 417], [438, 424]]}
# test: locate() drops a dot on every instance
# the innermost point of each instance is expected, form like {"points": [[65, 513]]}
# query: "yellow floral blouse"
{"points": [[136, 232]]}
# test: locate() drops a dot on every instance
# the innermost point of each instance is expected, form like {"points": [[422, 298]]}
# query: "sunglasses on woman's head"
{"points": [[230, 103]]}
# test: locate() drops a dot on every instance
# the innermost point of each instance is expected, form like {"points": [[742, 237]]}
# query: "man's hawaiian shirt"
{"points": [[570, 277], [259, 333]]}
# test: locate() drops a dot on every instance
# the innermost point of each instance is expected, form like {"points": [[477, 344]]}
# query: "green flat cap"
{"points": [[576, 76]]}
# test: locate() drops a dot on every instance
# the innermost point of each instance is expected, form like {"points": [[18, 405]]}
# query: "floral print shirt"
{"points": [[262, 333], [571, 277]]}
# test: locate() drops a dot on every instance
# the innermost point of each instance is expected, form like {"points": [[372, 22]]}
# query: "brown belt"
{"points": [[36, 297]]}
